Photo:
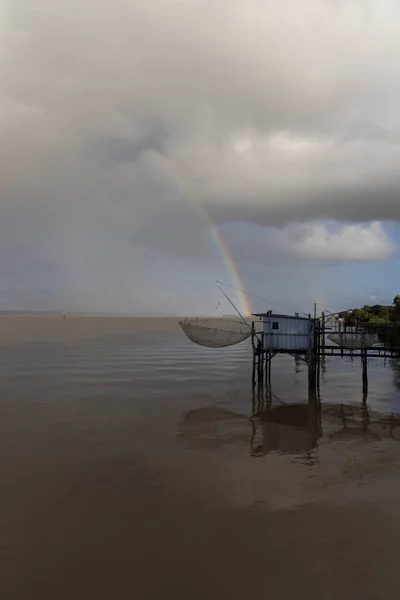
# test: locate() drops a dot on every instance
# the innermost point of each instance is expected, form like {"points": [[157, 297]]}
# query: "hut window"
{"points": [[275, 325]]}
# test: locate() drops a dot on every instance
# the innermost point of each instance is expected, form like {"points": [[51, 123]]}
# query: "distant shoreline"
{"points": [[111, 316]]}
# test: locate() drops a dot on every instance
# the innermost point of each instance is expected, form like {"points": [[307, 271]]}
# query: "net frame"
{"points": [[215, 333], [354, 341]]}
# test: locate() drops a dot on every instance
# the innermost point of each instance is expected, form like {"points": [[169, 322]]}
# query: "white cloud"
{"points": [[359, 243]]}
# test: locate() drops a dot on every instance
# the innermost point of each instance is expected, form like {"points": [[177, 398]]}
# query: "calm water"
{"points": [[133, 465]]}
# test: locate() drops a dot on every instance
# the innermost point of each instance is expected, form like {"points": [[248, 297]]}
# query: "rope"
{"points": [[261, 298]]}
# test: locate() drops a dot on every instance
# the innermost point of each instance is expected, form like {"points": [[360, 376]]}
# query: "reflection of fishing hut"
{"points": [[283, 334], [286, 428]]}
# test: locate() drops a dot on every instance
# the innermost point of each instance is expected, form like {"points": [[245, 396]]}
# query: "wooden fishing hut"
{"points": [[304, 338], [283, 334]]}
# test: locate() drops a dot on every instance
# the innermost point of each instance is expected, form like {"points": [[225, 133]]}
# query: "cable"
{"points": [[260, 298], [232, 304]]}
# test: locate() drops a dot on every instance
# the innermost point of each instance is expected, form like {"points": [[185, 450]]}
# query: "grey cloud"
{"points": [[172, 64], [118, 117], [118, 149]]}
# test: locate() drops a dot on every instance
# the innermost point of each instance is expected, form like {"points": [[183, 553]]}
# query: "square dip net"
{"points": [[354, 341], [216, 333]]}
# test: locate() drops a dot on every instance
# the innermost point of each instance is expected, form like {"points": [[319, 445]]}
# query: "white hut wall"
{"points": [[286, 334]]}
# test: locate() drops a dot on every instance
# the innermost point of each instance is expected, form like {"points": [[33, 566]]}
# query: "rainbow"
{"points": [[229, 262], [222, 247]]}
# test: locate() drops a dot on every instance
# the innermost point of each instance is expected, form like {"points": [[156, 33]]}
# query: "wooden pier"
{"points": [[374, 352], [334, 350]]}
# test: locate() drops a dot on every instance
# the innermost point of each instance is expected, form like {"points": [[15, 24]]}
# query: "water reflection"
{"points": [[357, 422], [395, 364], [213, 427], [289, 428], [293, 428]]}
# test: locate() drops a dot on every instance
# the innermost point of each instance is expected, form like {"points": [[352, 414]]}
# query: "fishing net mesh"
{"points": [[215, 333], [355, 341]]}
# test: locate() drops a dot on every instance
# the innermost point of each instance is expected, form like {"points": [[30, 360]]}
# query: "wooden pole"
{"points": [[262, 358], [364, 362], [269, 371], [318, 350], [310, 374], [268, 387], [311, 359], [253, 376]]}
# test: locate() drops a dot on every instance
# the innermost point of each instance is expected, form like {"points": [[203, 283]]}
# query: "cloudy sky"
{"points": [[128, 125]]}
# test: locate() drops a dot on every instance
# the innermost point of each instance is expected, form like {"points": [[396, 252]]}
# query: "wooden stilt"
{"points": [[259, 361], [253, 376], [364, 362]]}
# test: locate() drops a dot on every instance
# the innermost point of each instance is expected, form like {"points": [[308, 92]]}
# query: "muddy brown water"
{"points": [[135, 464]]}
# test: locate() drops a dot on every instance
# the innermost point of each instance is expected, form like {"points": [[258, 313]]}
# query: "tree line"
{"points": [[377, 313]]}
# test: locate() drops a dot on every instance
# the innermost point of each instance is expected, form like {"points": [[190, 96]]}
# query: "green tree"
{"points": [[396, 307]]}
